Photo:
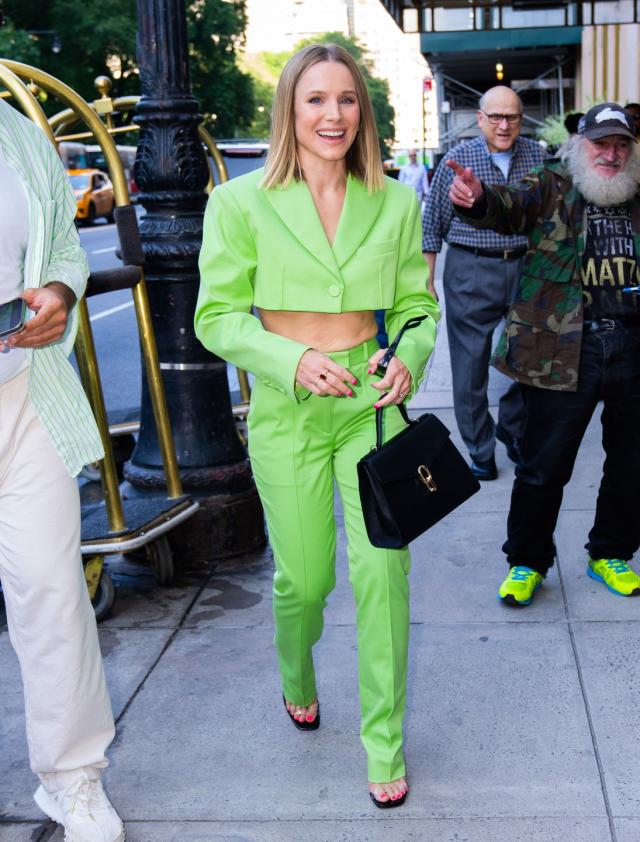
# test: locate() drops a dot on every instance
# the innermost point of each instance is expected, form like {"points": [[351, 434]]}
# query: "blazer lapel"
{"points": [[359, 214], [294, 205]]}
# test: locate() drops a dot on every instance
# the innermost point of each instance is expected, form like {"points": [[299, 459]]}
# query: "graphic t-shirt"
{"points": [[609, 264]]}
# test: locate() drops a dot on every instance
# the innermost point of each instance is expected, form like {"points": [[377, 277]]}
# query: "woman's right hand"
{"points": [[321, 375]]}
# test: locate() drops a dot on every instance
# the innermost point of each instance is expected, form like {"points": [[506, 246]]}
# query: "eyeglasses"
{"points": [[496, 119]]}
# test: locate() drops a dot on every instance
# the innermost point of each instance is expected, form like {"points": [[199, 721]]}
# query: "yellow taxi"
{"points": [[94, 195]]}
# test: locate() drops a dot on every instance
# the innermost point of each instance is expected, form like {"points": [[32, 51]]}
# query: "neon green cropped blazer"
{"points": [[267, 248]]}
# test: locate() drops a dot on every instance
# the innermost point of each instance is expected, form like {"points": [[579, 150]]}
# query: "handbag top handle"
{"points": [[381, 370]]}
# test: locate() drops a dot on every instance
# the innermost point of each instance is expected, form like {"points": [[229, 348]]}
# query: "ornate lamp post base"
{"points": [[171, 171], [226, 526], [230, 521]]}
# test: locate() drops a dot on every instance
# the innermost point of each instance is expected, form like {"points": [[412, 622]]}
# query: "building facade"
{"points": [[559, 56]]}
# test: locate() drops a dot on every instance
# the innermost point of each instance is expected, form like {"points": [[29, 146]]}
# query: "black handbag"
{"points": [[412, 481]]}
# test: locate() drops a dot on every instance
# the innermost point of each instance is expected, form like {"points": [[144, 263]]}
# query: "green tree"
{"points": [[76, 40], [97, 39], [18, 45], [552, 131], [216, 35], [383, 111], [263, 93]]}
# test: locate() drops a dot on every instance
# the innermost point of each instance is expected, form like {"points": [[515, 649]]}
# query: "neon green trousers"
{"points": [[297, 450]]}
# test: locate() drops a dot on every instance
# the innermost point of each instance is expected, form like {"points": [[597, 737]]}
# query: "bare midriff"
{"points": [[325, 332]]}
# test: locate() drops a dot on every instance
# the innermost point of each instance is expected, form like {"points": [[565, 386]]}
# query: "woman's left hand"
{"points": [[396, 383]]}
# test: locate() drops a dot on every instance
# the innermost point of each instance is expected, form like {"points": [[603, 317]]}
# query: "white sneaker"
{"points": [[83, 810]]}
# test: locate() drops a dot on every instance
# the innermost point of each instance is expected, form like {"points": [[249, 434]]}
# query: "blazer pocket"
{"points": [[371, 281], [377, 249]]}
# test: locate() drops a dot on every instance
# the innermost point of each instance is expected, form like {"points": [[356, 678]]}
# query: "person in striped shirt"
{"points": [[47, 433]]}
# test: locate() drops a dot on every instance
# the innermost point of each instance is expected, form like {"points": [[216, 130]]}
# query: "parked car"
{"points": [[94, 195], [241, 155], [96, 158]]}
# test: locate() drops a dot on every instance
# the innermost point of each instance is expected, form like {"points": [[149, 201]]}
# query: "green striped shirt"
{"points": [[53, 254]]}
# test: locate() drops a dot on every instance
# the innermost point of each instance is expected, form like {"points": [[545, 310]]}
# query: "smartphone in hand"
{"points": [[12, 317]]}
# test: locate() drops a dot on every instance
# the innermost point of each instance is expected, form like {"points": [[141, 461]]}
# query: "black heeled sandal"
{"points": [[386, 805], [303, 726]]}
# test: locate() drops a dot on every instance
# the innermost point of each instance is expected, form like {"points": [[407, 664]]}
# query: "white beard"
{"points": [[601, 190]]}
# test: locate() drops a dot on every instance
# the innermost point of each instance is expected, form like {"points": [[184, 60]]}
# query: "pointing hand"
{"points": [[466, 187]]}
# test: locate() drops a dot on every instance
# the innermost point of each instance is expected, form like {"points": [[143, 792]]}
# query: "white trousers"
{"points": [[51, 622]]}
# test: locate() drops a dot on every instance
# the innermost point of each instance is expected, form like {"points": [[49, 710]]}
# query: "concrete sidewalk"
{"points": [[521, 724]]}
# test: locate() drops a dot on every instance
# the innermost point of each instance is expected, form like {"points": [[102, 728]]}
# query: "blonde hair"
{"points": [[363, 160]]}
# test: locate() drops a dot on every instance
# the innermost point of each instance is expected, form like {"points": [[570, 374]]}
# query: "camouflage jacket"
{"points": [[541, 342]]}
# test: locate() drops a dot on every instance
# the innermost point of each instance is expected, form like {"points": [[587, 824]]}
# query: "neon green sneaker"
{"points": [[520, 586], [615, 574]]}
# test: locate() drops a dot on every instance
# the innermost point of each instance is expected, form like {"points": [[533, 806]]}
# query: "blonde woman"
{"points": [[316, 242]]}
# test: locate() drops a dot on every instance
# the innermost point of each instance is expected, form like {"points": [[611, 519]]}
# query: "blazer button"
{"points": [[334, 290]]}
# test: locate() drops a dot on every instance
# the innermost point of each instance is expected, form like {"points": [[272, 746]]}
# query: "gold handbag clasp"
{"points": [[426, 478]]}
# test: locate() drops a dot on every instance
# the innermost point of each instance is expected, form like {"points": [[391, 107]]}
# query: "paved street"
{"points": [[113, 323], [522, 724]]}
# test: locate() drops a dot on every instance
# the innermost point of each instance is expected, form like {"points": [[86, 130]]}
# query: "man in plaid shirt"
{"points": [[481, 274]]}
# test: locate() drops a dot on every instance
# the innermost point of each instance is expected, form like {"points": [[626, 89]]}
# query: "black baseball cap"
{"points": [[606, 119]]}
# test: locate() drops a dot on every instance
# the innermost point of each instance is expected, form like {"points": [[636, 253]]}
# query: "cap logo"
{"points": [[610, 114]]}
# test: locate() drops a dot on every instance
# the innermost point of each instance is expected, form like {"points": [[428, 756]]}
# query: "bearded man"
{"points": [[572, 339]]}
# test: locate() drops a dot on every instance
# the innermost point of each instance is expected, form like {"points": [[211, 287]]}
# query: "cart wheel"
{"points": [[160, 555], [104, 598]]}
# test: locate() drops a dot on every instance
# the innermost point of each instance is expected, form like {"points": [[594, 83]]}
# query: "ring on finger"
{"points": [[323, 376]]}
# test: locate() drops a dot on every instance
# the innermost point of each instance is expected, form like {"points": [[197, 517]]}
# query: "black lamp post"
{"points": [[171, 171]]}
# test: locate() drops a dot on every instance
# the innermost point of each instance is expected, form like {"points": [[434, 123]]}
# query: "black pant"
{"points": [[554, 427]]}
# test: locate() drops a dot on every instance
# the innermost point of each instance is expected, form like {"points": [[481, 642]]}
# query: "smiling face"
{"points": [[608, 155], [500, 102], [327, 113], [605, 170]]}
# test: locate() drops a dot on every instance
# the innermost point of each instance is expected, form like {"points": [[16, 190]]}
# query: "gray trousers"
{"points": [[478, 292]]}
